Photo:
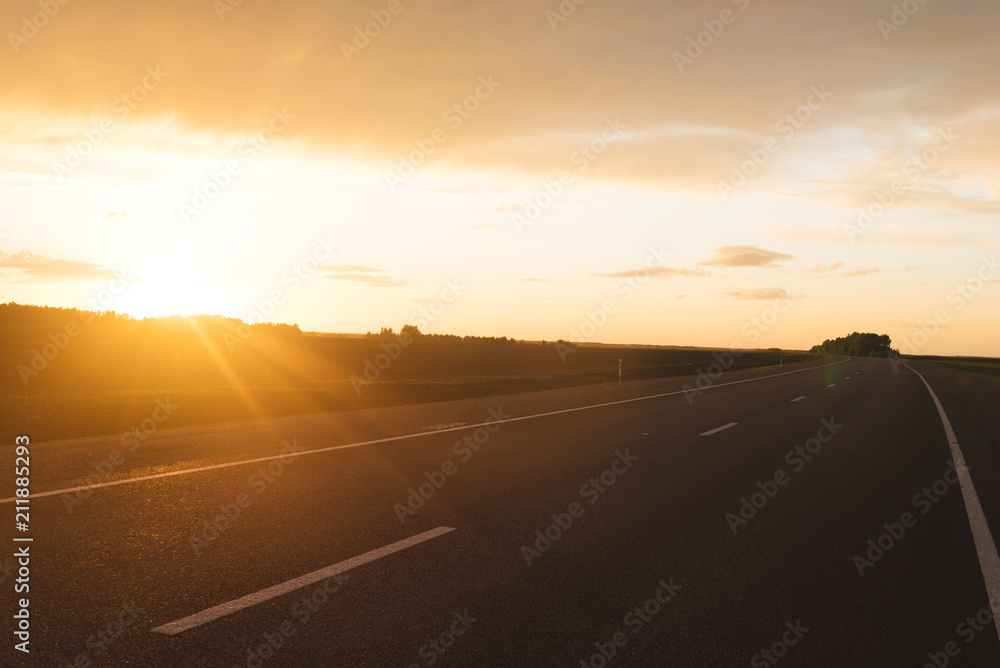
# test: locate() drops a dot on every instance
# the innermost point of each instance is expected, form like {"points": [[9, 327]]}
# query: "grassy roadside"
{"points": [[978, 367], [974, 382], [55, 415]]}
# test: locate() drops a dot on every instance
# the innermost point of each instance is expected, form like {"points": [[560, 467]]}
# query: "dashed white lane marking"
{"points": [[404, 437], [831, 384], [718, 429], [223, 609], [986, 548], [798, 399]]}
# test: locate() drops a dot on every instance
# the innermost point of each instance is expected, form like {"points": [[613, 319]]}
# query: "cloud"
{"points": [[818, 268], [689, 128], [369, 280], [681, 297], [39, 268], [746, 256], [663, 273], [341, 268], [367, 276], [761, 294], [863, 270]]}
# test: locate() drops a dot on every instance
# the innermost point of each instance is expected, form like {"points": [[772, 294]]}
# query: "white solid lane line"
{"points": [[223, 609], [798, 399], [986, 548], [718, 429], [439, 427], [390, 439]]}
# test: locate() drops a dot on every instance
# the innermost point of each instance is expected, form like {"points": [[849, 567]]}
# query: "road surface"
{"points": [[631, 525]]}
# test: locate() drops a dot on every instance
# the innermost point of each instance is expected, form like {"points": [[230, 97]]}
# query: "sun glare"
{"points": [[175, 282]]}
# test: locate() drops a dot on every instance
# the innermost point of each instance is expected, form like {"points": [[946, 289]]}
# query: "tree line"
{"points": [[858, 345]]}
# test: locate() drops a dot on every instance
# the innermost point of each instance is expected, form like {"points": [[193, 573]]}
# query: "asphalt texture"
{"points": [[617, 534]]}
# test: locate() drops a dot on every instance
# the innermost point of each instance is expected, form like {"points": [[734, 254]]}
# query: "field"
{"points": [[973, 381], [982, 367], [107, 378]]}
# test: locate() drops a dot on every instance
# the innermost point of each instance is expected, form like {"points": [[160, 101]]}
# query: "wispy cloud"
{"points": [[761, 294], [863, 270], [367, 276], [818, 268], [747, 256], [39, 268], [656, 272], [357, 268]]}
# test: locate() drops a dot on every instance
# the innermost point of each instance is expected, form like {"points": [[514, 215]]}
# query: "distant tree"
{"points": [[858, 345], [411, 331]]}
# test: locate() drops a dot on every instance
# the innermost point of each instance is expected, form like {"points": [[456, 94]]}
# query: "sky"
{"points": [[735, 172]]}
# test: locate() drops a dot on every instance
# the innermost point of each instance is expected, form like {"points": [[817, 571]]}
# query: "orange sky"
{"points": [[836, 162]]}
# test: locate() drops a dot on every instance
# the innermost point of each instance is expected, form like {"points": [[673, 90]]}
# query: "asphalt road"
{"points": [[686, 544]]}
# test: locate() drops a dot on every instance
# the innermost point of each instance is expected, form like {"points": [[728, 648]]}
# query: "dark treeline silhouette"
{"points": [[72, 372], [24, 316], [858, 345], [410, 333]]}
